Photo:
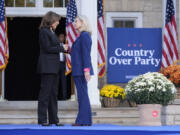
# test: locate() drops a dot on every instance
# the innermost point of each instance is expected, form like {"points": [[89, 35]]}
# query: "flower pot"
{"points": [[150, 114], [110, 102]]}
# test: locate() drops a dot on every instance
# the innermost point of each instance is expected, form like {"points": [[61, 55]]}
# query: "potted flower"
{"points": [[112, 95], [172, 72], [154, 89]]}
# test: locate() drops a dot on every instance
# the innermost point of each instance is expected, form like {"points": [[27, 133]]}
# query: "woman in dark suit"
{"points": [[48, 67], [82, 70]]}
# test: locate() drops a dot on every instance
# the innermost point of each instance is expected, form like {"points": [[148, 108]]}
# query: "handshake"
{"points": [[66, 47]]}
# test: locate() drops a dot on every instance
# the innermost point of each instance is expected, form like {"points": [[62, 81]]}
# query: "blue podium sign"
{"points": [[133, 51]]}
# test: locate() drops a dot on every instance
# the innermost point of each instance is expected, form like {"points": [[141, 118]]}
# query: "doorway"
{"points": [[22, 83]]}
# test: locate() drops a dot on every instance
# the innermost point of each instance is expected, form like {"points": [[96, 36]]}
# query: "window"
{"points": [[20, 3], [124, 19], [60, 3], [32, 3], [55, 3], [9, 3], [124, 24], [48, 3]]}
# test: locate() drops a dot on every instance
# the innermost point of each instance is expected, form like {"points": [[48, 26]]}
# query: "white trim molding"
{"points": [[136, 16]]}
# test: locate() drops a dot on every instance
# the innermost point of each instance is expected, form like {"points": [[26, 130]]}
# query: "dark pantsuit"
{"points": [[48, 99], [62, 78], [48, 67], [84, 115]]}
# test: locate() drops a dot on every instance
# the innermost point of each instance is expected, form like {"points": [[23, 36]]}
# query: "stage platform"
{"points": [[96, 129]]}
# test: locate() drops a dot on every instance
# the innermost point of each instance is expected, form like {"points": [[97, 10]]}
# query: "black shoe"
{"points": [[45, 124], [75, 124], [59, 124]]}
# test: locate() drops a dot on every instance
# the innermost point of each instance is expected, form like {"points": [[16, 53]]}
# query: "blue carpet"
{"points": [[96, 129]]}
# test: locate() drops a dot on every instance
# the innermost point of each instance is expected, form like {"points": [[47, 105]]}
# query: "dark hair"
{"points": [[49, 18], [61, 34]]}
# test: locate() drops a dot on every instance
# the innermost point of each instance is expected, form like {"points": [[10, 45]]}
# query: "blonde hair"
{"points": [[85, 24]]}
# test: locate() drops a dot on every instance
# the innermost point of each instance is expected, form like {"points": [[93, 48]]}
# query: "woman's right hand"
{"points": [[87, 76], [66, 47]]}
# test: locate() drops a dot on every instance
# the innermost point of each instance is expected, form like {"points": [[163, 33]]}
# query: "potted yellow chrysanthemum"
{"points": [[112, 95]]}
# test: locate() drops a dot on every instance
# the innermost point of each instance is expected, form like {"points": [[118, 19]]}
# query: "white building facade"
{"points": [[117, 13]]}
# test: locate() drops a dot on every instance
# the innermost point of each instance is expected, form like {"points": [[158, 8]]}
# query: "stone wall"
{"points": [[151, 9]]}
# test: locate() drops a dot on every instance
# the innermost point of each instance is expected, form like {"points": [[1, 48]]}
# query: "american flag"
{"points": [[170, 51], [71, 33], [101, 41], [3, 37]]}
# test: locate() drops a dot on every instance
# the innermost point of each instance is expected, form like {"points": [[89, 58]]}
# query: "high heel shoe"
{"points": [[75, 124], [45, 124], [59, 124]]}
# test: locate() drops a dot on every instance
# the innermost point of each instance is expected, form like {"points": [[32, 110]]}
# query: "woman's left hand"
{"points": [[87, 76]]}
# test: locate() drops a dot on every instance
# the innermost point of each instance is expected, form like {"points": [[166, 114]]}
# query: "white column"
{"points": [[164, 11], [175, 6], [179, 25], [89, 8], [78, 4], [2, 87]]}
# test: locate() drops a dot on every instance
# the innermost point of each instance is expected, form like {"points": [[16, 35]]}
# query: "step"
{"points": [[15, 112], [14, 105], [110, 112]]}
